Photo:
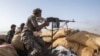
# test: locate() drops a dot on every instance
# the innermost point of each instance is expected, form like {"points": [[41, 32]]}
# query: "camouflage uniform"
{"points": [[10, 35], [31, 42]]}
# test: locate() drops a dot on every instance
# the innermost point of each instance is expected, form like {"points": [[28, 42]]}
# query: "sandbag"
{"points": [[17, 43], [85, 51], [47, 39], [97, 41], [60, 33], [7, 50], [65, 43], [83, 38], [47, 33]]}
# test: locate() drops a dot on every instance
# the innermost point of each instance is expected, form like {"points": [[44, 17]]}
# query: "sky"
{"points": [[86, 13]]}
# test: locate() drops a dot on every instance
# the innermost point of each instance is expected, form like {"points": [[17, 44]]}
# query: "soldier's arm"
{"points": [[32, 25], [38, 28]]}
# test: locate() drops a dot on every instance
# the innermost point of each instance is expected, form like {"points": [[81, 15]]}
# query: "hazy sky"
{"points": [[85, 12]]}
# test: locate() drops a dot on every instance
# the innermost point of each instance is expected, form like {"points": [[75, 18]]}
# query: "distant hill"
{"points": [[3, 32]]}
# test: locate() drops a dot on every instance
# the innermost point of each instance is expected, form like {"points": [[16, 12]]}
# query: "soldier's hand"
{"points": [[46, 23]]}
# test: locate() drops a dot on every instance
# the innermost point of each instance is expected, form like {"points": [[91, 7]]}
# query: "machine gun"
{"points": [[56, 21], [53, 19]]}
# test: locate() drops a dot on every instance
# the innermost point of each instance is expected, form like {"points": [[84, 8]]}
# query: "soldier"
{"points": [[11, 33], [33, 44], [19, 30], [22, 26]]}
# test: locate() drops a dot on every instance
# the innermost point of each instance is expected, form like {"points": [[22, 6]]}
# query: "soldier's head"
{"points": [[13, 27], [22, 26], [37, 12]]}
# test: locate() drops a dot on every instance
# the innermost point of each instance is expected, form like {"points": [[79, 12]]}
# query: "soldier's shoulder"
{"points": [[32, 16]]}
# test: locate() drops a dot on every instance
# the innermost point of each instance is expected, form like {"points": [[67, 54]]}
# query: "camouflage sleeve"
{"points": [[9, 35], [29, 41]]}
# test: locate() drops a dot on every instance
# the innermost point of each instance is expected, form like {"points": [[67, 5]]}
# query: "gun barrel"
{"points": [[66, 21]]}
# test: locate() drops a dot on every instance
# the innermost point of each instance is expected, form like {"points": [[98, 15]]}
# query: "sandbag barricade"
{"points": [[7, 50], [47, 34], [96, 40], [17, 43], [83, 38], [85, 51], [65, 43]]}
